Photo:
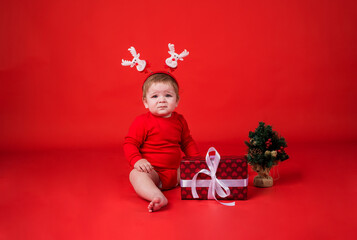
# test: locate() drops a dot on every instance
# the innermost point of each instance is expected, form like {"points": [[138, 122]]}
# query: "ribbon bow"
{"points": [[216, 185]]}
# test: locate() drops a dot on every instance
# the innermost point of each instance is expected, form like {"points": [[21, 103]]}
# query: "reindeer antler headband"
{"points": [[141, 65]]}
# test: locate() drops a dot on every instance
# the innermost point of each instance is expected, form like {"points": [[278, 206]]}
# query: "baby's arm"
{"points": [[133, 141], [188, 145], [143, 165]]}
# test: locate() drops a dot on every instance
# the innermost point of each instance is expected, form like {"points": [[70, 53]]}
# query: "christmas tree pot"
{"points": [[263, 179]]}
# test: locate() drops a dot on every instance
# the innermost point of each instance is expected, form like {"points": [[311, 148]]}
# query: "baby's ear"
{"points": [[177, 102], [145, 103]]}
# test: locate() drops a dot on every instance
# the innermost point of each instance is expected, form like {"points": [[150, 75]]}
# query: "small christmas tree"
{"points": [[265, 149]]}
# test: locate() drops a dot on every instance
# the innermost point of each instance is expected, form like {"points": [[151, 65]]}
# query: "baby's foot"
{"points": [[157, 203]]}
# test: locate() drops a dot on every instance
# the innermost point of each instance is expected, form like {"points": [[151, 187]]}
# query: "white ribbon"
{"points": [[206, 182], [215, 185]]}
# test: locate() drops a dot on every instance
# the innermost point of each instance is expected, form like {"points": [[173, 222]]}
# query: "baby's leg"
{"points": [[145, 185]]}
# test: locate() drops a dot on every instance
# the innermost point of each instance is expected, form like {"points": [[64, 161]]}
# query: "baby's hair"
{"points": [[160, 78]]}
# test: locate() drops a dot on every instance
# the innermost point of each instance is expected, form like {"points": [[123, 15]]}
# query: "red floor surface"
{"points": [[85, 194]]}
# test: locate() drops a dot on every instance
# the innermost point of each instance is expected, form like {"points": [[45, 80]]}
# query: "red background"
{"points": [[64, 94], [291, 64]]}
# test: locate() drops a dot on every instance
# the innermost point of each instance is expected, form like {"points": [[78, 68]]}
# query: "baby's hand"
{"points": [[143, 165]]}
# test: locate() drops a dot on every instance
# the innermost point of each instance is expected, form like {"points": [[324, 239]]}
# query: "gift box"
{"points": [[214, 171]]}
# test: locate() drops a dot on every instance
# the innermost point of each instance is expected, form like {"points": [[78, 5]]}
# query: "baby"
{"points": [[155, 140]]}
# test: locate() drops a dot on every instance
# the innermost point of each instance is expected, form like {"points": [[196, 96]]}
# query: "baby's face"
{"points": [[161, 99]]}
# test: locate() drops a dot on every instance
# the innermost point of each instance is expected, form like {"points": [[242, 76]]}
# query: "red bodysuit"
{"points": [[160, 141]]}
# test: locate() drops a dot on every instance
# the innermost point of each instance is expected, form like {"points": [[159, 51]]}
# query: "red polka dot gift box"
{"points": [[214, 177]]}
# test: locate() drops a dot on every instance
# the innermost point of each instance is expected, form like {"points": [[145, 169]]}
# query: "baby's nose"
{"points": [[162, 99]]}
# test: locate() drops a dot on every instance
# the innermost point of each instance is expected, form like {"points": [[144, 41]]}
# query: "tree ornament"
{"points": [[265, 150], [267, 153]]}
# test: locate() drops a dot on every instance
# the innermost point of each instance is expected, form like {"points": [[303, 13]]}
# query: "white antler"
{"points": [[140, 64], [171, 48], [127, 63], [172, 60], [185, 53], [133, 52]]}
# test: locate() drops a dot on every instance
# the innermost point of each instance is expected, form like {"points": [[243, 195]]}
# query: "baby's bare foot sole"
{"points": [[157, 203]]}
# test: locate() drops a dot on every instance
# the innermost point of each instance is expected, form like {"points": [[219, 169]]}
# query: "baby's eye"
{"points": [[168, 95], [154, 96]]}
